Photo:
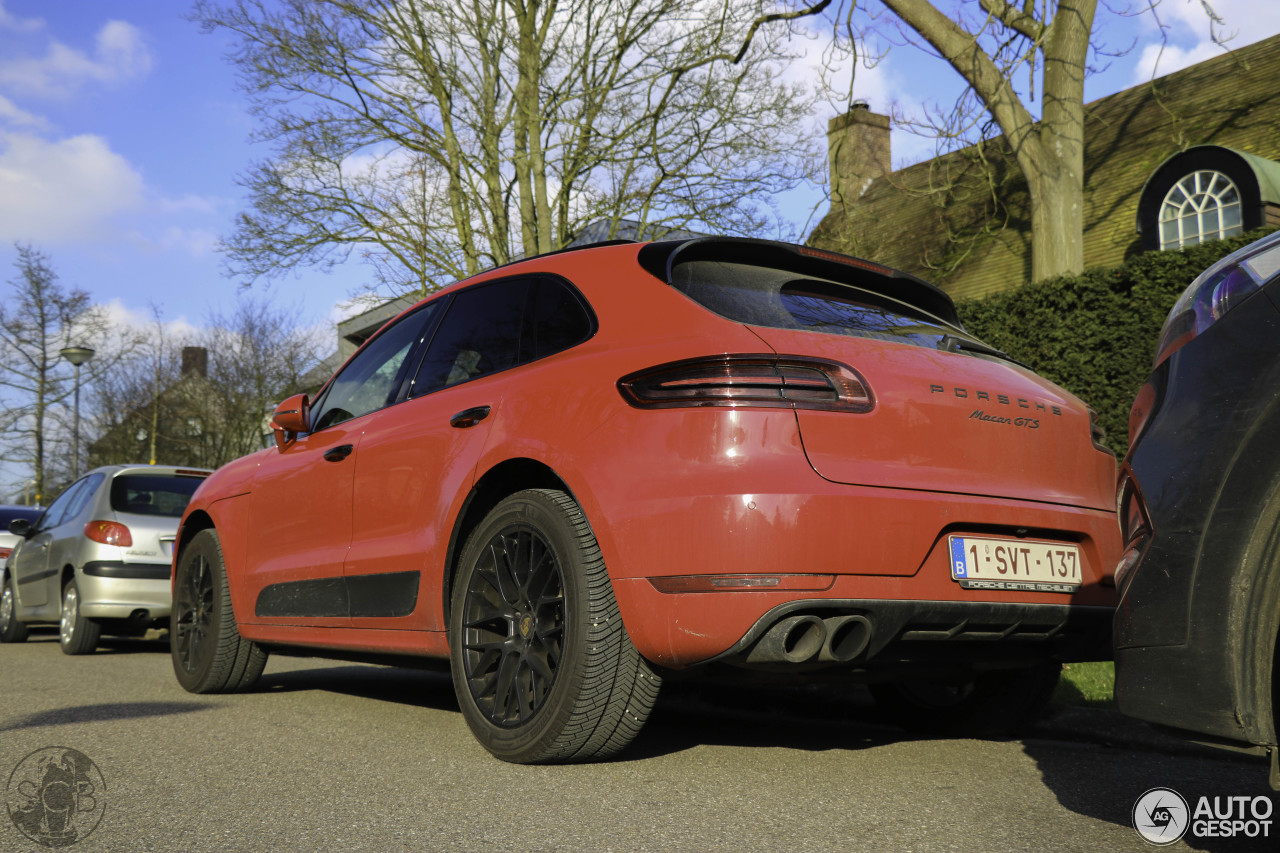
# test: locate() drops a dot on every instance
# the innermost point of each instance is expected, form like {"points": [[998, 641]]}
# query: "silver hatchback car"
{"points": [[98, 559]]}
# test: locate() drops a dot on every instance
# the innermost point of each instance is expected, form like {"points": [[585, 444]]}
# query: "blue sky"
{"points": [[121, 132]]}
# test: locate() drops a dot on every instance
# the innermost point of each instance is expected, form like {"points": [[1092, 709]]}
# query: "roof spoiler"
{"points": [[661, 258]]}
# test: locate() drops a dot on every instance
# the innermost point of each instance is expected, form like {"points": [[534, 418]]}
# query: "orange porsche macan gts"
{"points": [[578, 474]]}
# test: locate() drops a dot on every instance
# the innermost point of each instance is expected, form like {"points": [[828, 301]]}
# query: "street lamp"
{"points": [[77, 356]]}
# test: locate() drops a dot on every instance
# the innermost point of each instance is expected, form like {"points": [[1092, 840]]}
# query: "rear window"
{"points": [[762, 296], [152, 494]]}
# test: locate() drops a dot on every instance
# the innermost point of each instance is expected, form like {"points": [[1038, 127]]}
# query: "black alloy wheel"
{"points": [[542, 665], [192, 614], [208, 653], [513, 625]]}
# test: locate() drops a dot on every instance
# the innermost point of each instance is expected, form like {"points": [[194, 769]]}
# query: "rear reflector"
{"points": [[791, 382], [109, 533], [741, 583]]}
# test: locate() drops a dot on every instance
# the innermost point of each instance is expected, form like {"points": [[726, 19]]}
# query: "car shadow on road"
{"points": [[422, 688], [690, 714], [102, 713], [1086, 778], [108, 645]]}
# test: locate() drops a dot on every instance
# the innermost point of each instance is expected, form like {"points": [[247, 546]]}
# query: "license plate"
{"points": [[1015, 564]]}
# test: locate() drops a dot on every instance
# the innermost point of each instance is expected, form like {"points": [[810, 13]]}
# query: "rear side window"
{"points": [[558, 319], [152, 494], [762, 296], [480, 334]]}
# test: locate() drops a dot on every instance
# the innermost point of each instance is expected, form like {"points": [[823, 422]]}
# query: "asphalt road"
{"points": [[329, 756]]}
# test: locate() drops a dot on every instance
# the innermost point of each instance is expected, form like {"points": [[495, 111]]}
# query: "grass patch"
{"points": [[1089, 684]]}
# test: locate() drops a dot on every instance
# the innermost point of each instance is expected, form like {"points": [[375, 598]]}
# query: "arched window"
{"points": [[1204, 205]]}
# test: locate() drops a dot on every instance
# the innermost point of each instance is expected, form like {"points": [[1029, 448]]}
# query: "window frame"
{"points": [[534, 281], [1190, 207], [426, 331]]}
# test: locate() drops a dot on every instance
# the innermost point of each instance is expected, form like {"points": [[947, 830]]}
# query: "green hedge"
{"points": [[1095, 334]]}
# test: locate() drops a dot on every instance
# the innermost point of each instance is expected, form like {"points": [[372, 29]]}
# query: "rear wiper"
{"points": [[954, 343]]}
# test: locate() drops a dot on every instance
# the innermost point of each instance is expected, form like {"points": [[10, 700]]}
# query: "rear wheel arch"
{"points": [[1238, 574], [496, 485], [1255, 621]]}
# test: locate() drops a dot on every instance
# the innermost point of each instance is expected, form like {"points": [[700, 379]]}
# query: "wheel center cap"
{"points": [[526, 626]]}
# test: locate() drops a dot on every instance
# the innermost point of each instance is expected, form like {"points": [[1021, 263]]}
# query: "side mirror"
{"points": [[21, 527], [290, 418]]}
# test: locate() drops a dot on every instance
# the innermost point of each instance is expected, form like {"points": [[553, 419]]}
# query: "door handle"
{"points": [[337, 454], [469, 417]]}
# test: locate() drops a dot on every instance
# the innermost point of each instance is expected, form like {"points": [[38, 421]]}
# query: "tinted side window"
{"points": [[370, 381], [479, 335], [559, 319]]}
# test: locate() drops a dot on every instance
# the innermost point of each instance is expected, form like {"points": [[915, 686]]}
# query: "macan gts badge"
{"points": [[577, 475]]}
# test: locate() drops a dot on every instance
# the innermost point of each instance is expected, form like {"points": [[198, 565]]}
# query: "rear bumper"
{"points": [[111, 589], [886, 634], [1184, 688]]}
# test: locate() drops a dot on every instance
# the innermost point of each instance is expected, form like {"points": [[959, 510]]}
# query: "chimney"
{"points": [[857, 152], [195, 360]]}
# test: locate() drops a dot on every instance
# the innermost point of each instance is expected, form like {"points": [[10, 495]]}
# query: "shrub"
{"points": [[1095, 334]]}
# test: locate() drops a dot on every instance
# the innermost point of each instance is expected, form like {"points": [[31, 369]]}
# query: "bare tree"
{"points": [[204, 399], [1012, 56], [38, 320], [440, 137]]}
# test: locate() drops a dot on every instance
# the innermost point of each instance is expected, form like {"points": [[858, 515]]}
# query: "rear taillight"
{"points": [[1135, 527], [5, 552], [1216, 291], [791, 382], [109, 533]]}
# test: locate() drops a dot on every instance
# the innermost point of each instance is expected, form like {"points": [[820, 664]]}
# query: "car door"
{"points": [[302, 493], [36, 575], [417, 459]]}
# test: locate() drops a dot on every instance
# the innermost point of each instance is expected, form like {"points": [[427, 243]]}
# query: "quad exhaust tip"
{"points": [[799, 639]]}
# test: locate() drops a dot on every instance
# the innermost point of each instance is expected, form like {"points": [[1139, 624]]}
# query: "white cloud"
{"points": [[8, 21], [197, 242], [1157, 60], [120, 54], [188, 204], [1189, 32], [122, 316], [64, 191], [12, 115]]}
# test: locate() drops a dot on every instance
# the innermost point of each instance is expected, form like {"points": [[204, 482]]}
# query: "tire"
{"points": [[992, 704], [77, 635], [11, 630], [542, 665], [208, 653]]}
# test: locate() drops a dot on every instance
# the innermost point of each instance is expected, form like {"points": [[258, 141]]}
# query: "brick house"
{"points": [[1187, 157]]}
